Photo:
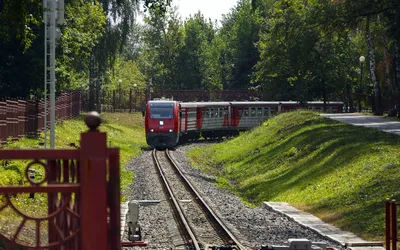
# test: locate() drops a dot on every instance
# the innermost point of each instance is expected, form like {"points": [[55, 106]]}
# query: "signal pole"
{"points": [[53, 14]]}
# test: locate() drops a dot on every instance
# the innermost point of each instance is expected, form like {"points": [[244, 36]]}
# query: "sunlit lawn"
{"points": [[339, 172]]}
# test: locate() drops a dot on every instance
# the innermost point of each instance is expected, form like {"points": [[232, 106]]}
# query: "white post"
{"points": [[52, 71], [45, 6], [50, 10]]}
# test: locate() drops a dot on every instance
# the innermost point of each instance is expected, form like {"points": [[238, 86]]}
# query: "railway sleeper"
{"points": [[294, 244]]}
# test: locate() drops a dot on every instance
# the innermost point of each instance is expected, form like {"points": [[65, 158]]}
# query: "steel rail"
{"points": [[204, 204], [176, 204]]}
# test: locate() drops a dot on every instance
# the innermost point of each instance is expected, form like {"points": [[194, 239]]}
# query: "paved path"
{"points": [[124, 211], [346, 239], [358, 119]]}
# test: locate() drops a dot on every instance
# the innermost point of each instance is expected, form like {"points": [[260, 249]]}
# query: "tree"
{"points": [[300, 58], [199, 34]]}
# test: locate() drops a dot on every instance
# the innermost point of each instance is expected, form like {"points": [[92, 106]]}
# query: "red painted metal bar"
{"points": [[134, 244], [387, 224], [52, 188], [93, 198], [52, 199], [50, 154], [394, 224], [114, 198]]}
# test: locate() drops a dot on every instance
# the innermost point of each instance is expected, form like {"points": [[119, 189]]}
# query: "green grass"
{"points": [[123, 130], [339, 172]]}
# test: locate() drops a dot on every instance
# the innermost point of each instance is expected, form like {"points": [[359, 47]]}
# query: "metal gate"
{"points": [[83, 195]]}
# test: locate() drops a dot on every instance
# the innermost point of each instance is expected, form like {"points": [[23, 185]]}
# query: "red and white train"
{"points": [[168, 123]]}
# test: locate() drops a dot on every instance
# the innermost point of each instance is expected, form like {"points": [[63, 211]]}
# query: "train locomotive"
{"points": [[168, 123]]}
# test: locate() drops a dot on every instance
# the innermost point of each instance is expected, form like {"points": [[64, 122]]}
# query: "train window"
{"points": [[225, 111], [220, 112], [161, 110], [240, 112], [253, 112], [259, 111], [208, 113], [246, 112], [266, 112]]}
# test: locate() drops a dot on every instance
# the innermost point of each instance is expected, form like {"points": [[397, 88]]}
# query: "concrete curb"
{"points": [[315, 224], [124, 212]]}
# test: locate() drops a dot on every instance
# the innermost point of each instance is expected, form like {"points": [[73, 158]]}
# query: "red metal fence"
{"points": [[20, 118], [83, 196], [391, 224], [132, 100]]}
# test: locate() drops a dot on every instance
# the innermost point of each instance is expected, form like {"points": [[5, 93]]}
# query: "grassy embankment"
{"points": [[338, 172], [123, 130]]}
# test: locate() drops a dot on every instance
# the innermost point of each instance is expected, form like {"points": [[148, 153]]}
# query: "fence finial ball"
{"points": [[92, 120]]}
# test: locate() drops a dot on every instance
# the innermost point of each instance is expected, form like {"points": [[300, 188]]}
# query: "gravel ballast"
{"points": [[253, 226]]}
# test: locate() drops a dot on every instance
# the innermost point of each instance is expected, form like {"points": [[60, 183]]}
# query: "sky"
{"points": [[209, 8]]}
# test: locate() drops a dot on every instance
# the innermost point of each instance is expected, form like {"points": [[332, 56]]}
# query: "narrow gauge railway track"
{"points": [[205, 229]]}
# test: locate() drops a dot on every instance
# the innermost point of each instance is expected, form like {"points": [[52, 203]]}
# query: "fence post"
{"points": [[387, 224], [130, 100], [93, 197], [394, 224], [113, 100], [3, 123]]}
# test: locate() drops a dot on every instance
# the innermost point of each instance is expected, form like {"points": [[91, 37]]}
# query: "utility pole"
{"points": [[53, 14]]}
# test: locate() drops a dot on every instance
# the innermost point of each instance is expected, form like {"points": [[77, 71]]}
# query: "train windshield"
{"points": [[161, 110]]}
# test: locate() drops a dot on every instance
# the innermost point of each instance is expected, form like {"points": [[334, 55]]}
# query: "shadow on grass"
{"points": [[343, 145]]}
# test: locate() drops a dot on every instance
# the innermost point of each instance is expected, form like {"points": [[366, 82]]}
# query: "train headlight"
{"points": [[171, 131], [151, 130], [161, 123]]}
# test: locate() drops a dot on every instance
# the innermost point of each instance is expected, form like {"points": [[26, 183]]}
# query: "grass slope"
{"points": [[339, 172]]}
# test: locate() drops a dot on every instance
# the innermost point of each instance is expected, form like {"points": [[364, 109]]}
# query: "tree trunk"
{"points": [[397, 62], [91, 81], [372, 65], [98, 92], [397, 57]]}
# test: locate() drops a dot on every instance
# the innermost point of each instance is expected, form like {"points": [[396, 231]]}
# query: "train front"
{"points": [[162, 123]]}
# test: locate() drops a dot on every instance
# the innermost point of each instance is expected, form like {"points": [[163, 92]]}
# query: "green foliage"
{"points": [[240, 33], [162, 43], [198, 37], [85, 24], [128, 72], [19, 20], [339, 172], [300, 60]]}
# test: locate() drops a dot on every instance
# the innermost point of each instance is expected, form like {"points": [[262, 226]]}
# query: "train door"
{"points": [[260, 118], [226, 119], [199, 118], [267, 113]]}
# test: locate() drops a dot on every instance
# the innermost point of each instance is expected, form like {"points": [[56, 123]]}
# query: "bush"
{"points": [[11, 175]]}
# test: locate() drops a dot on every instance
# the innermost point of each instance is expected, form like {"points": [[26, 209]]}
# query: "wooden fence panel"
{"points": [[19, 118]]}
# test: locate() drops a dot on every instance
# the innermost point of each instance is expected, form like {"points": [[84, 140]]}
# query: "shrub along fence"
{"points": [[134, 100], [25, 117]]}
